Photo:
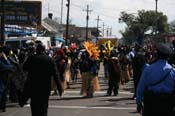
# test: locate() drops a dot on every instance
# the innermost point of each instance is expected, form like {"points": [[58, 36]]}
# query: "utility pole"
{"points": [[111, 31], [67, 24], [156, 19], [87, 20], [103, 29], [61, 12], [156, 6], [107, 31], [98, 19], [2, 22]]}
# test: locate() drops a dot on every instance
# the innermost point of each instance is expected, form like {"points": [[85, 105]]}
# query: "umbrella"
{"points": [[59, 39]]}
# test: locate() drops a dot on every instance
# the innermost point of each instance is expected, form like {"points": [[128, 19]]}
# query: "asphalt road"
{"points": [[73, 104]]}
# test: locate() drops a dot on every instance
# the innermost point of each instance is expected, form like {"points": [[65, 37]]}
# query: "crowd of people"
{"points": [[31, 73]]}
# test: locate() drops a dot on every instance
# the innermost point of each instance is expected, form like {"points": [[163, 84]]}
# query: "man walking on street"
{"points": [[41, 68], [114, 74]]}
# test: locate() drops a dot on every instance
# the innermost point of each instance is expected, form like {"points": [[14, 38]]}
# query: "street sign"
{"points": [[27, 13]]}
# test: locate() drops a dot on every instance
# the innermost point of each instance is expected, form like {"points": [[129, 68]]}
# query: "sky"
{"points": [[108, 11]]}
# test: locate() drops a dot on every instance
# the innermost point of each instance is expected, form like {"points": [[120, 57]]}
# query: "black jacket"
{"points": [[41, 68]]}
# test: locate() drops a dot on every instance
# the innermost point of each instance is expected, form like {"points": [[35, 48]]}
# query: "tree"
{"points": [[138, 26], [128, 36], [172, 27]]}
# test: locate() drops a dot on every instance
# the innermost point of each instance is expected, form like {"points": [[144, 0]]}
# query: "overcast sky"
{"points": [[107, 10]]}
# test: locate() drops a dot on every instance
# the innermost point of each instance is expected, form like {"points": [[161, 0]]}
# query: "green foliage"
{"points": [[172, 27], [138, 25]]}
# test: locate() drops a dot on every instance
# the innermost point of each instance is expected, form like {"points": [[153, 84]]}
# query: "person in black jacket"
{"points": [[114, 75], [5, 68], [41, 68], [138, 63]]}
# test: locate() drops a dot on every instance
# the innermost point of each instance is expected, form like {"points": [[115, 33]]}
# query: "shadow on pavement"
{"points": [[129, 89], [118, 99], [69, 98]]}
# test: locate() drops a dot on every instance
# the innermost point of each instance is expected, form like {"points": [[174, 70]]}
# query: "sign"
{"points": [[102, 41], [27, 13]]}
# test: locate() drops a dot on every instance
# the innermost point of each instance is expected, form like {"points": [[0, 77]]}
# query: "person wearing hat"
{"points": [[156, 88], [61, 64], [89, 70]]}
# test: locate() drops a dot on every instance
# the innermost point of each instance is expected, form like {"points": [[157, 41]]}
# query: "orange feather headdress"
{"points": [[92, 49]]}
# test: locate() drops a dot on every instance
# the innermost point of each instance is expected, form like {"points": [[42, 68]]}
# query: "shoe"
{"points": [[22, 103], [3, 110], [108, 94], [54, 93], [115, 94], [134, 97]]}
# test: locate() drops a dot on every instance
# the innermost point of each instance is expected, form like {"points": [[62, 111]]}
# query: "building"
{"points": [[76, 34]]}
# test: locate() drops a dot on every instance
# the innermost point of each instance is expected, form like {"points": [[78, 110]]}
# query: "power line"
{"points": [[106, 15], [75, 5], [78, 6]]}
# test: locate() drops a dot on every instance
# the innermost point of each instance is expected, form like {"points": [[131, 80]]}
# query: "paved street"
{"points": [[72, 104]]}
